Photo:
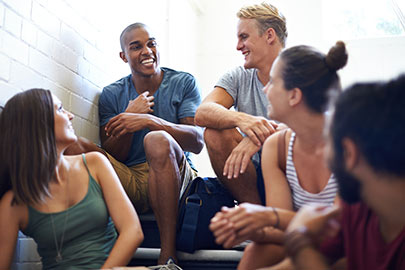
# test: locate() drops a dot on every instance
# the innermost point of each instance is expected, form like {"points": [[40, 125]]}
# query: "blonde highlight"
{"points": [[267, 16]]}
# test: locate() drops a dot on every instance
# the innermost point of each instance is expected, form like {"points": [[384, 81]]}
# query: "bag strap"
{"points": [[188, 230], [281, 150]]}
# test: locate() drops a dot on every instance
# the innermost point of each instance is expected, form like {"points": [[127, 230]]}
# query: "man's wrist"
{"points": [[297, 240], [238, 119]]}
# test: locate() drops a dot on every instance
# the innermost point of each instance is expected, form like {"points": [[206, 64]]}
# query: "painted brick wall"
{"points": [[48, 44], [52, 45], [71, 47]]}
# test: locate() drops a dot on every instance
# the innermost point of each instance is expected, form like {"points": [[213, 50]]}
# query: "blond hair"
{"points": [[267, 16]]}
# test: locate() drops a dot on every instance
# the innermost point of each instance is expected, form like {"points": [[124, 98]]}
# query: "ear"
{"points": [[294, 96], [350, 153], [270, 35], [122, 56]]}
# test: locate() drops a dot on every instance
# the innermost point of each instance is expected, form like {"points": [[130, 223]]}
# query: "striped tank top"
{"points": [[299, 195]]}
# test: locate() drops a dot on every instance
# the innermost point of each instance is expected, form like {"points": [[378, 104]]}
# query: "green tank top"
{"points": [[89, 235]]}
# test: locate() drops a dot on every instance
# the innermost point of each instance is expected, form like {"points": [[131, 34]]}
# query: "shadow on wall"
{"points": [[81, 80]]}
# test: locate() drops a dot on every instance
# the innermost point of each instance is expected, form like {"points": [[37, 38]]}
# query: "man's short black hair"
{"points": [[373, 116], [127, 29]]}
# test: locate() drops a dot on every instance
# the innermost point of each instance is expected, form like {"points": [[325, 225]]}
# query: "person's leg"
{"points": [[261, 255], [134, 180], [164, 156], [220, 144], [285, 264]]}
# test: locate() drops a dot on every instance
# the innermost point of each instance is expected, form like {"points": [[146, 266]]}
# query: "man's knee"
{"points": [[217, 136], [221, 140], [159, 145], [211, 135]]}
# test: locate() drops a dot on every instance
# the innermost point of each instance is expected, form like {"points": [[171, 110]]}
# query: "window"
{"points": [[356, 19]]}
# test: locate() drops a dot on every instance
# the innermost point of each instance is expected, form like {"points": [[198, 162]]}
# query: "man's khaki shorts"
{"points": [[134, 179]]}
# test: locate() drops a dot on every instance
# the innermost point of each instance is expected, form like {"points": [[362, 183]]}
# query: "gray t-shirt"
{"points": [[246, 90]]}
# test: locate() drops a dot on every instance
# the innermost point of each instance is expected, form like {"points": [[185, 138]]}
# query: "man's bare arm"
{"points": [[118, 147], [187, 135], [214, 113]]}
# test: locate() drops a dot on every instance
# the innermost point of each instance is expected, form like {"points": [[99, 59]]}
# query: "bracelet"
{"points": [[297, 240], [277, 218]]}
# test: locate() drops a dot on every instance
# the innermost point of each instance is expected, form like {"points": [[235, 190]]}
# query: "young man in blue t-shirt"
{"points": [[147, 131]]}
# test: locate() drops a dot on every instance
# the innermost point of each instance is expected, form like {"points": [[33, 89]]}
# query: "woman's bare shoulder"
{"points": [[11, 210]]}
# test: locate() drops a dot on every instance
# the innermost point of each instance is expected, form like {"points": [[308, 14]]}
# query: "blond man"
{"points": [[235, 154]]}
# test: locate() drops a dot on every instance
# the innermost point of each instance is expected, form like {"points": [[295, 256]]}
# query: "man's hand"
{"points": [[142, 104], [320, 221], [239, 159], [222, 228], [257, 128], [126, 123], [232, 226]]}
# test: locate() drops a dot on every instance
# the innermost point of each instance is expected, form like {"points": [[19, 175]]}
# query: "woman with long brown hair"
{"points": [[72, 206]]}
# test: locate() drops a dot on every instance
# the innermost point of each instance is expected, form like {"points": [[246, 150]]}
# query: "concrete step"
{"points": [[149, 251], [201, 259]]}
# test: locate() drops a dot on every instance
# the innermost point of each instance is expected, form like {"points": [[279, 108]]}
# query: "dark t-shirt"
{"points": [[361, 242], [178, 97]]}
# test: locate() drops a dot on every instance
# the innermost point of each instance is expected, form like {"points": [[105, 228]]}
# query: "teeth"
{"points": [[147, 61]]}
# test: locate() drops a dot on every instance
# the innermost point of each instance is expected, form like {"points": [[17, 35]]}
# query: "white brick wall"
{"points": [[12, 22], [1, 14], [5, 63], [49, 44], [52, 45], [15, 48], [71, 47]]}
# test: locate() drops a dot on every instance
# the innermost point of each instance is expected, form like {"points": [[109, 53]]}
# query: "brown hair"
{"points": [[267, 16], [27, 147], [313, 72]]}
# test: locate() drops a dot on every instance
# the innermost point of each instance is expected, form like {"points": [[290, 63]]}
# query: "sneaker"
{"points": [[170, 265], [242, 245]]}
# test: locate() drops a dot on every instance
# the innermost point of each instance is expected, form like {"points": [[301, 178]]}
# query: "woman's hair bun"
{"points": [[337, 56]]}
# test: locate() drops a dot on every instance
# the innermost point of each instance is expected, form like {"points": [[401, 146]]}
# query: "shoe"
{"points": [[242, 245], [170, 265]]}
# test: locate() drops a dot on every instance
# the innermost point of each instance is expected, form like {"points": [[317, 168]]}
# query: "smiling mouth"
{"points": [[148, 62]]}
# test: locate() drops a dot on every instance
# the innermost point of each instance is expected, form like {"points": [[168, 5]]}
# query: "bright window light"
{"points": [[348, 19]]}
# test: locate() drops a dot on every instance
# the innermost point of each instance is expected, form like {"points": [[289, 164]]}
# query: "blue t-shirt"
{"points": [[178, 97]]}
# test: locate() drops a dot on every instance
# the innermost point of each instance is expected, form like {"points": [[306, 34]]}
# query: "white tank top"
{"points": [[301, 196]]}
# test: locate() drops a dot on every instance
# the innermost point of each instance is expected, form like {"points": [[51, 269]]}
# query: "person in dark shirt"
{"points": [[366, 154]]}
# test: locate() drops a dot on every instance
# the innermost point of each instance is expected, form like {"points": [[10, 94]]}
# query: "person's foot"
{"points": [[170, 265]]}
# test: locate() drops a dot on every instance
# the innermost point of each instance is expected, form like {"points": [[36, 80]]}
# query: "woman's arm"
{"points": [[120, 208], [232, 226], [278, 192], [11, 218], [255, 222]]}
